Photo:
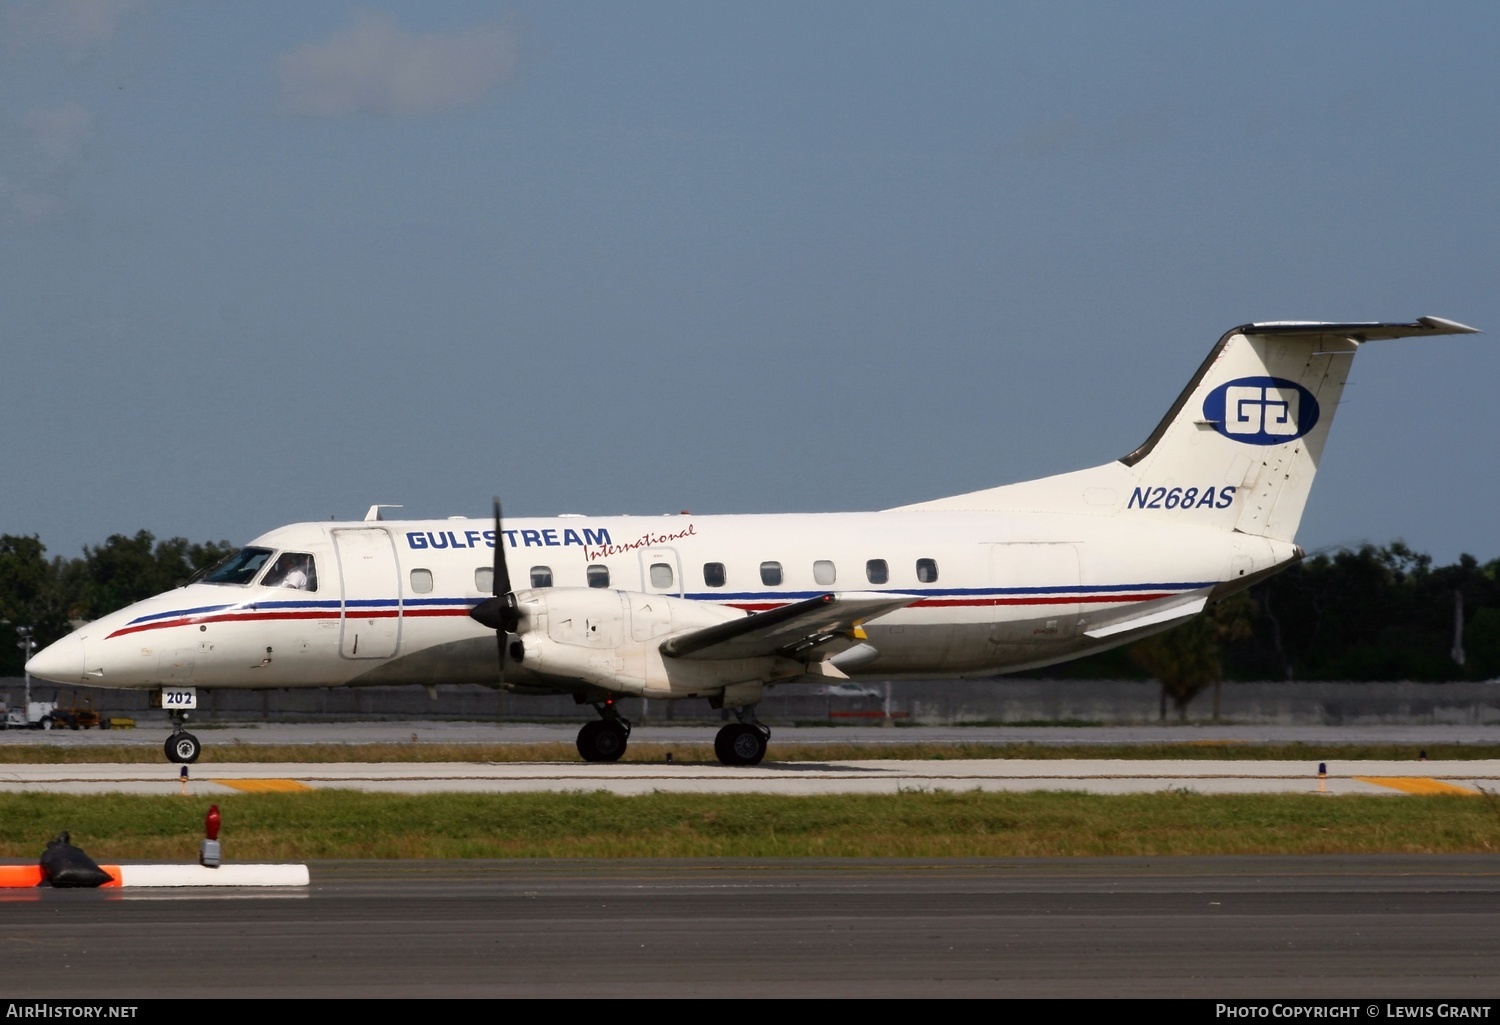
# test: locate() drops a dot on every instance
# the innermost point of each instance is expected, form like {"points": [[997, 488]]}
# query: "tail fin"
{"points": [[1239, 447]]}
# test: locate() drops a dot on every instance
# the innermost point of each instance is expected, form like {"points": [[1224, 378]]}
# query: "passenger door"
{"points": [[370, 587]]}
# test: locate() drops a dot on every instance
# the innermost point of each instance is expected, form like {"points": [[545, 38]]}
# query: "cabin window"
{"points": [[823, 572], [294, 570], [541, 576], [927, 571], [421, 581], [598, 576], [484, 580], [239, 568], [770, 574], [877, 572], [661, 575], [713, 574]]}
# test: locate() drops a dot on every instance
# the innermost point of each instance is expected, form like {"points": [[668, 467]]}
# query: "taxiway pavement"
{"points": [[786, 778]]}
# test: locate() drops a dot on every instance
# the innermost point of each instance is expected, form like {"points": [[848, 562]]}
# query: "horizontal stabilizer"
{"points": [[788, 630], [1361, 332], [1168, 610]]}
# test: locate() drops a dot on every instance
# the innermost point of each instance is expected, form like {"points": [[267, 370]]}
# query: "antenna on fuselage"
{"points": [[375, 514]]}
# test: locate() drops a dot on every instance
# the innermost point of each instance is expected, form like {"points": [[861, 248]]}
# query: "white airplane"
{"points": [[722, 607]]}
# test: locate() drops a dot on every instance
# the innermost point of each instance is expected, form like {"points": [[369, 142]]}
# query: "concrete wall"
{"points": [[1003, 700]]}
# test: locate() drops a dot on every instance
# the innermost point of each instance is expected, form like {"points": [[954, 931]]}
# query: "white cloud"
{"points": [[81, 27], [374, 67]]}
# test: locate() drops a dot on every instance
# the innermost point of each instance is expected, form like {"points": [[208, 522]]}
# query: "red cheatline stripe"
{"points": [[245, 617], [241, 617], [1086, 599]]}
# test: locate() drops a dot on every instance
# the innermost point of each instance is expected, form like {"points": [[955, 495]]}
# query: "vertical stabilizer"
{"points": [[1239, 448], [1244, 440]]}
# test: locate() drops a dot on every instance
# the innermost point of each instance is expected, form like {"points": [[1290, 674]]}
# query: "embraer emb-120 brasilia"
{"points": [[722, 607]]}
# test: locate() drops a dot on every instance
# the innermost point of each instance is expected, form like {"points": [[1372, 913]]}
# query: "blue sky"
{"points": [[274, 262]]}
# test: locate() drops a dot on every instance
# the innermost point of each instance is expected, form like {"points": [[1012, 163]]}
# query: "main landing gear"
{"points": [[181, 747], [743, 742], [604, 739]]}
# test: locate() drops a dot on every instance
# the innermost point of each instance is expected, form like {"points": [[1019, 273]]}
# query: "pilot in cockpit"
{"points": [[294, 570]]}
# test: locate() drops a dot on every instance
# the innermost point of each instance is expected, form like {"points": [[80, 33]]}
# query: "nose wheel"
{"points": [[182, 748]]}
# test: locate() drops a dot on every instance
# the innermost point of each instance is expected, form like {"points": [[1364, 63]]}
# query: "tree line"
{"points": [[1365, 613], [53, 595], [1353, 614]]}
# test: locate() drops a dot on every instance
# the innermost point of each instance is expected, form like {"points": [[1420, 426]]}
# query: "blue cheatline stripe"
{"points": [[333, 605], [949, 592], [717, 596], [390, 603], [291, 605], [200, 610]]}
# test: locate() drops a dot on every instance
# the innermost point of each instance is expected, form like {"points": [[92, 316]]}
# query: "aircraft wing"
{"points": [[1153, 613], [786, 631]]}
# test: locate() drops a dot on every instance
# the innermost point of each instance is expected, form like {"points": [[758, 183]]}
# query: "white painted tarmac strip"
{"points": [[1098, 776], [226, 875]]}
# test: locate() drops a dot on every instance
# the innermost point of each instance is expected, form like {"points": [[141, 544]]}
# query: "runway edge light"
{"points": [[208, 854]]}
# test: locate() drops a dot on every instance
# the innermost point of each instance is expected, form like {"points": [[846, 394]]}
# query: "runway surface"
{"points": [[1366, 928], [788, 778], [152, 733]]}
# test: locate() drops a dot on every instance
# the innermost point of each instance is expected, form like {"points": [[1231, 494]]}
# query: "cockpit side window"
{"points": [[295, 570], [239, 568]]}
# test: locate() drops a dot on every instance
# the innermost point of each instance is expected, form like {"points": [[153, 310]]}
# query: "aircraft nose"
{"points": [[59, 662]]}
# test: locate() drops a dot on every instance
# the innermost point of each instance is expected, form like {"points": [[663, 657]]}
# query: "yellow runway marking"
{"points": [[265, 786], [1417, 785]]}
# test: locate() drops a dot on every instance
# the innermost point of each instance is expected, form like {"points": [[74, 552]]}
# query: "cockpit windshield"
{"points": [[239, 568]]}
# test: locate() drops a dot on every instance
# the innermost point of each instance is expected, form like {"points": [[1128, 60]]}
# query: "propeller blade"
{"points": [[502, 573], [501, 612]]}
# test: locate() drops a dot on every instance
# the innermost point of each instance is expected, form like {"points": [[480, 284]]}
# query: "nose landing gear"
{"points": [[181, 747]]}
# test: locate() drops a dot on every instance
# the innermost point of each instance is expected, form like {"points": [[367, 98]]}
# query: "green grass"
{"points": [[702, 752], [347, 824]]}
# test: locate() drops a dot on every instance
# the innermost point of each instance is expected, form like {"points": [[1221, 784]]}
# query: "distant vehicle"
{"points": [[50, 715], [719, 608], [78, 717], [849, 690], [34, 715]]}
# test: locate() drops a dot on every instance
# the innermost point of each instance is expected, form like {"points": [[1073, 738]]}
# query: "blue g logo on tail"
{"points": [[1261, 410]]}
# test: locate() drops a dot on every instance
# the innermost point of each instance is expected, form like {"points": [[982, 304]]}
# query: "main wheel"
{"points": [[47, 722], [601, 741], [739, 744], [183, 748]]}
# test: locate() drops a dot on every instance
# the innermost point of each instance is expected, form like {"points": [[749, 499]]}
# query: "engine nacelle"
{"points": [[612, 639]]}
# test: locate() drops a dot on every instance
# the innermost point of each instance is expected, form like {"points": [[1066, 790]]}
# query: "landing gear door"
{"points": [[370, 582]]}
